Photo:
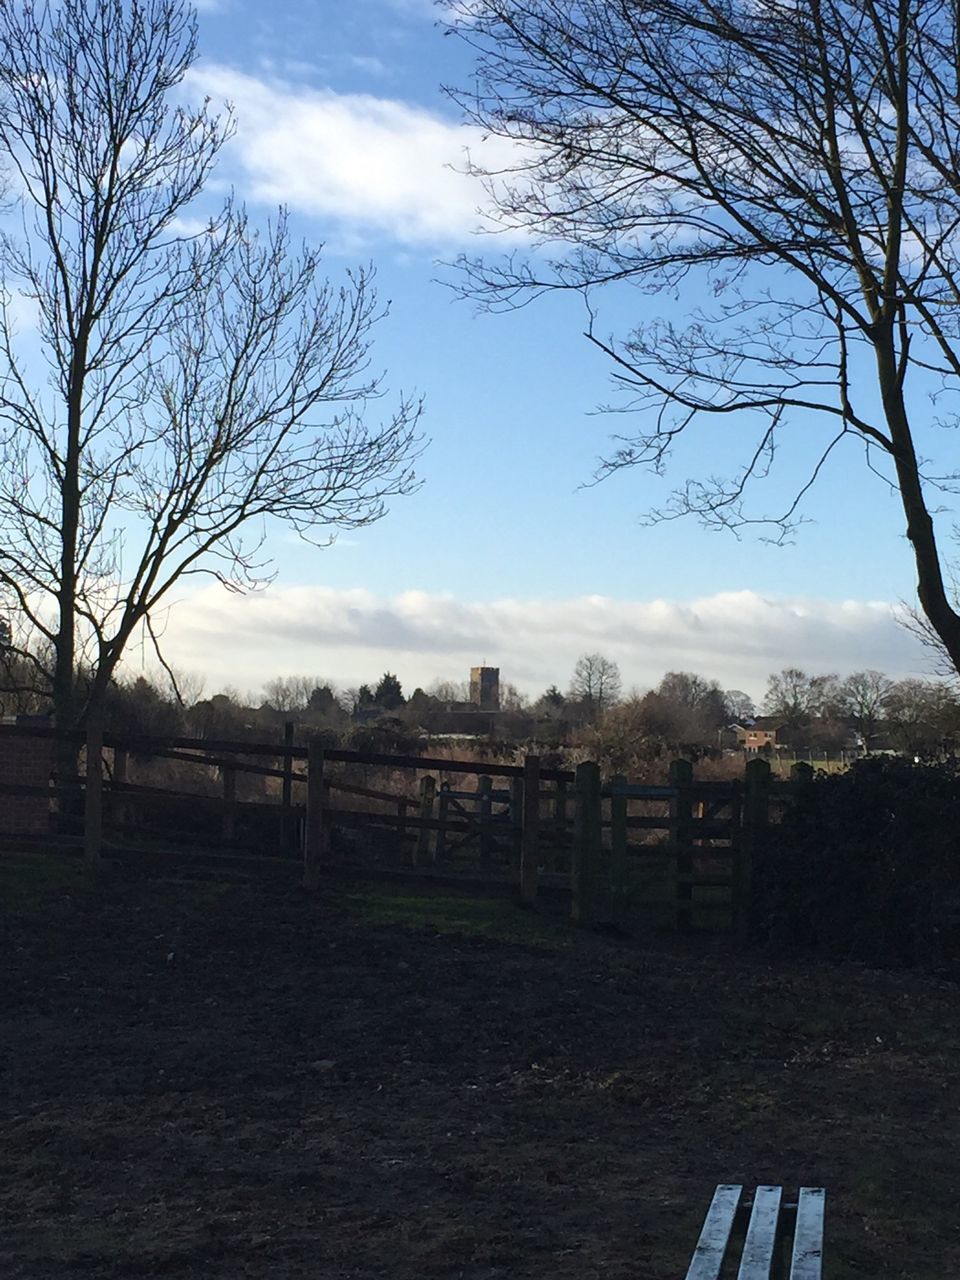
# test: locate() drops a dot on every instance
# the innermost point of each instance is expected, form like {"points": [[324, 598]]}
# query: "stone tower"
{"points": [[485, 688]]}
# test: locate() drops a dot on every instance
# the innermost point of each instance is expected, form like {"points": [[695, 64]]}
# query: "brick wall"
{"points": [[25, 761]]}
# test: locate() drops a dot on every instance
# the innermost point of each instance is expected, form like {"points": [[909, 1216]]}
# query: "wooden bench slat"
{"points": [[808, 1237], [715, 1236], [761, 1242]]}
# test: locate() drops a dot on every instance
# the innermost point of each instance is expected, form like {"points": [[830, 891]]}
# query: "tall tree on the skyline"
{"points": [[796, 697], [786, 172], [596, 683], [197, 380]]}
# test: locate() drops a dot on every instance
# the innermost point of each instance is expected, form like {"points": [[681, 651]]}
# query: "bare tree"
{"points": [[200, 384], [290, 693], [739, 705], [864, 696], [450, 690], [596, 683], [795, 697], [794, 162], [922, 716], [511, 699]]}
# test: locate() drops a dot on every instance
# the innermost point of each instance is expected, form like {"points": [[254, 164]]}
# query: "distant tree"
{"points": [[322, 700], [511, 699], [669, 721], [551, 697], [596, 683], [388, 693], [138, 706], [420, 709], [704, 697], [796, 697], [286, 694], [685, 710], [450, 690], [863, 697], [222, 716], [739, 706], [922, 716], [364, 697]]}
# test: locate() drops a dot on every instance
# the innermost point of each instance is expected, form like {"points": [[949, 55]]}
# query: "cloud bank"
{"points": [[366, 164], [351, 636]]}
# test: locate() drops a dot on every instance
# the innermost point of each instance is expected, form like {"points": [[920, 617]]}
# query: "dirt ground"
{"points": [[200, 1079]]}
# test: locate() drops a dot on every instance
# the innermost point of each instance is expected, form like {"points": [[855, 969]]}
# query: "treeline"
{"points": [[685, 712]]}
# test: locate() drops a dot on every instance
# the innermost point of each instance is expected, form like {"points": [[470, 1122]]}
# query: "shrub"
{"points": [[866, 865]]}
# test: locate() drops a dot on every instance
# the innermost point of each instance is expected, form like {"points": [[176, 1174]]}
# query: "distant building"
{"points": [[759, 735], [485, 688]]}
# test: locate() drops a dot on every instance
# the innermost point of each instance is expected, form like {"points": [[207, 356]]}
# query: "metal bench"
{"points": [[773, 1228]]}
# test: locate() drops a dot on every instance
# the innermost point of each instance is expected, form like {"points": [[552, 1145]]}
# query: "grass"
{"points": [[479, 917]]}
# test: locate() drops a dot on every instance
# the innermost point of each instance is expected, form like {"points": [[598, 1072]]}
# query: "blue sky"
{"points": [[505, 555]]}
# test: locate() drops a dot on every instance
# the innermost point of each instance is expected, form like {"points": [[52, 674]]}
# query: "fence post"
{"points": [[228, 827], [681, 778], [286, 824], [516, 829], [443, 808], [618, 849], [560, 821], [422, 853], [314, 834], [484, 810], [586, 842], [93, 795], [756, 816], [530, 844], [119, 810]]}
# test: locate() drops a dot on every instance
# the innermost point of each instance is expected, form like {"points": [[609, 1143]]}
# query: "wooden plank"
{"points": [[348, 789], [618, 852], [151, 746], [287, 825], [426, 848], [681, 813], [584, 865], [637, 791], [530, 838], [93, 795], [759, 1248], [484, 812], [500, 796], [806, 1262], [516, 827], [711, 1248], [315, 837], [412, 822]]}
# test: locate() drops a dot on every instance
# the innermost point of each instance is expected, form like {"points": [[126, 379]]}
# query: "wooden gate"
{"points": [[488, 818]]}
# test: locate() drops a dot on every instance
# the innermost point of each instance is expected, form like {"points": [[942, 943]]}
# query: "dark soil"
{"points": [[213, 1080]]}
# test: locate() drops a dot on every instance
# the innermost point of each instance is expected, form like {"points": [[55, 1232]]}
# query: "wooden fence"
{"points": [[685, 849]]}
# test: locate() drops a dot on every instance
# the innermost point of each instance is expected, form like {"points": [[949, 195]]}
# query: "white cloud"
{"points": [[366, 164], [350, 636]]}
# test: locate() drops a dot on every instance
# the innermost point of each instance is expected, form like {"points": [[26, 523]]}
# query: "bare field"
{"points": [[205, 1079]]}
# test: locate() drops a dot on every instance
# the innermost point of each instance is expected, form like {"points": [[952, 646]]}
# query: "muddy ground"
{"points": [[200, 1079]]}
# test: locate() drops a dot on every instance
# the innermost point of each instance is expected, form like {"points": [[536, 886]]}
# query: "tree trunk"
{"points": [[931, 590]]}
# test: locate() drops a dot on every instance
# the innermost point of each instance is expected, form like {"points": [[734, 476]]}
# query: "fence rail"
{"points": [[692, 849]]}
